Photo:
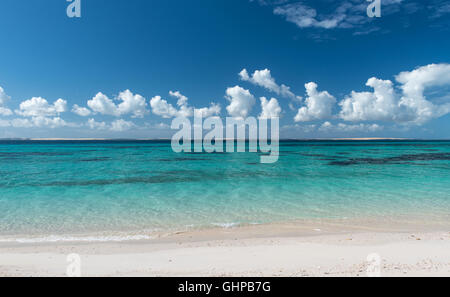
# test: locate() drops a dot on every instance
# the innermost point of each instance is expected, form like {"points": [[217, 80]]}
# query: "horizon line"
{"points": [[224, 139]]}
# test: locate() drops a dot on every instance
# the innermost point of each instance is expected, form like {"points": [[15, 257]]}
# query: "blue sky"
{"points": [[199, 48]]}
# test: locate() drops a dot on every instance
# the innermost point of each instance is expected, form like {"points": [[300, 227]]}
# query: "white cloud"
{"points": [[3, 97], [207, 112], [341, 14], [81, 111], [166, 110], [160, 126], [21, 123], [263, 78], [241, 102], [270, 108], [304, 16], [412, 107], [413, 98], [16, 123], [384, 103], [56, 122], [185, 110], [414, 84], [36, 122], [182, 100], [381, 105], [341, 127], [60, 105], [94, 125], [121, 125], [103, 105], [326, 126], [359, 127], [130, 104], [39, 107], [5, 111], [319, 105], [39, 113], [300, 128]]}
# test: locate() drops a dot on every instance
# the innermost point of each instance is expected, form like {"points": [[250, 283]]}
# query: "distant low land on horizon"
{"points": [[167, 139]]}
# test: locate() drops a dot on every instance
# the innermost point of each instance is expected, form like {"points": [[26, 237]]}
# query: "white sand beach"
{"points": [[246, 251]]}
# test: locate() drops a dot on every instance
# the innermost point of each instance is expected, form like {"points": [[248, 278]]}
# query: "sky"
{"points": [[125, 69]]}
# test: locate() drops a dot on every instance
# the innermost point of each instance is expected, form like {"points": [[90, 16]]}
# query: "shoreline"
{"points": [[295, 228], [263, 250]]}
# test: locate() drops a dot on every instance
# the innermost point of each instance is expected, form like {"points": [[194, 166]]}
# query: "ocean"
{"points": [[58, 189]]}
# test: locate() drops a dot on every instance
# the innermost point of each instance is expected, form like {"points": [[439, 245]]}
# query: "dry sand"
{"points": [[272, 250]]}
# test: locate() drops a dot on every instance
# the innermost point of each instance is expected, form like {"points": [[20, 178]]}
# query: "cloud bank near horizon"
{"points": [[404, 101]]}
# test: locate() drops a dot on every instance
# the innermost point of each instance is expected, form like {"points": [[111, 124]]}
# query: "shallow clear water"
{"points": [[83, 187]]}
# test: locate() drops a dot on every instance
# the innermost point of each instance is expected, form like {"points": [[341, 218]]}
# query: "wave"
{"points": [[56, 238], [227, 225]]}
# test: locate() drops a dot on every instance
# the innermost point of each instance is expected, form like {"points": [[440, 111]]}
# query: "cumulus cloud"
{"points": [[270, 108], [184, 110], [382, 104], [103, 105], [182, 100], [207, 112], [81, 111], [413, 98], [166, 110], [410, 107], [94, 125], [241, 102], [263, 78], [121, 125], [326, 126], [39, 107], [130, 104], [49, 122], [39, 113], [16, 123], [414, 84], [319, 105], [21, 123]]}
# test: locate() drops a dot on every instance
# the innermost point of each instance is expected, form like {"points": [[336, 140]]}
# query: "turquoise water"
{"points": [[49, 188]]}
